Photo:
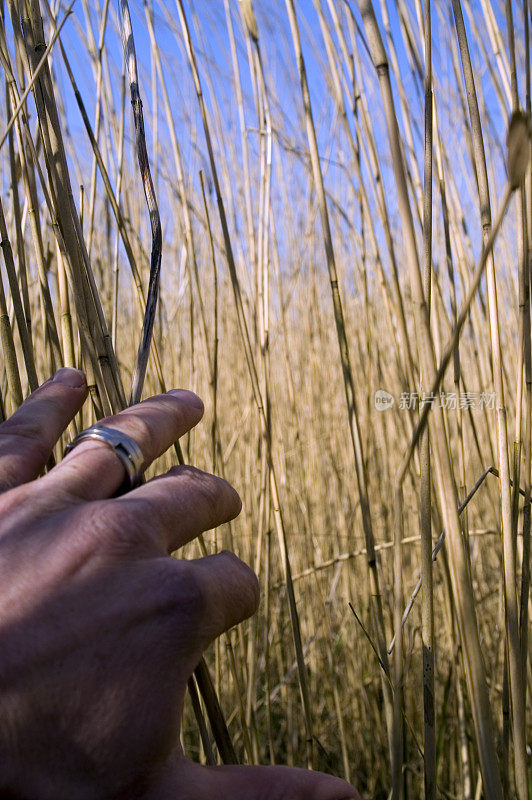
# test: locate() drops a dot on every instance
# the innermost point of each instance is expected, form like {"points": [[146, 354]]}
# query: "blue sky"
{"points": [[207, 21]]}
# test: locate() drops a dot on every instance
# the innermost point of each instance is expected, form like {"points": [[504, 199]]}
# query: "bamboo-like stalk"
{"points": [[236, 679], [215, 444], [255, 385], [178, 162], [120, 170], [349, 387], [461, 508], [462, 590], [29, 184], [99, 75], [105, 369], [8, 349], [524, 369], [201, 673], [113, 199], [510, 577], [429, 739], [526, 210], [15, 202], [30, 84], [498, 48], [66, 316], [401, 321], [488, 60], [517, 444], [398, 746], [243, 137], [198, 713], [263, 279], [27, 349], [370, 156], [153, 209]]}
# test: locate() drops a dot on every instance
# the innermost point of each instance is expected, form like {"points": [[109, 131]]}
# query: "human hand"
{"points": [[99, 628]]}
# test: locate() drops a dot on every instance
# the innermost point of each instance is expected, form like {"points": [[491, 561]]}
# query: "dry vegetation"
{"points": [[322, 230]]}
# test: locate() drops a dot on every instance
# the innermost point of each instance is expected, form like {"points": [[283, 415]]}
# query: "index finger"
{"points": [[93, 471], [28, 436]]}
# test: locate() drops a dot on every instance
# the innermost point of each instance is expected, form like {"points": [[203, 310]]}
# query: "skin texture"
{"points": [[99, 628]]}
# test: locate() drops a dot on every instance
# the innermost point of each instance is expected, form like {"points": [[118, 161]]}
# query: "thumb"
{"points": [[189, 781]]}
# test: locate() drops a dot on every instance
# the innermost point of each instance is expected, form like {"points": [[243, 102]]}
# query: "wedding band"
{"points": [[123, 445]]}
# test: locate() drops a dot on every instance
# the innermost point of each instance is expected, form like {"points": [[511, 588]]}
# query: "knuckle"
{"points": [[27, 433], [107, 532], [17, 500], [144, 431], [184, 590], [207, 489], [144, 419]]}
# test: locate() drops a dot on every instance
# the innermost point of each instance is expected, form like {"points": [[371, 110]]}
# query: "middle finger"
{"points": [[92, 471]]}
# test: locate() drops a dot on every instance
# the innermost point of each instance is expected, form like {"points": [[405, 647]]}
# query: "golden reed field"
{"points": [[317, 214]]}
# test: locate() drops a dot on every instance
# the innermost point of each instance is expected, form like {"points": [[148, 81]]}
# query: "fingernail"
{"points": [[69, 376], [187, 397]]}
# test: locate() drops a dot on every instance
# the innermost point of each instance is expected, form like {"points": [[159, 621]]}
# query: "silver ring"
{"points": [[123, 445]]}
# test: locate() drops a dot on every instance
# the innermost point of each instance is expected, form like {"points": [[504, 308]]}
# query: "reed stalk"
{"points": [[462, 589], [429, 739], [349, 387], [256, 390], [510, 576]]}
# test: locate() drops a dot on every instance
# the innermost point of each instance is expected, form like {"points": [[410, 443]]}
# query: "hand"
{"points": [[99, 628]]}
